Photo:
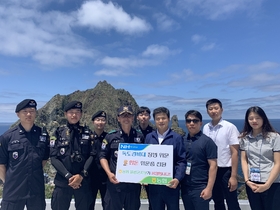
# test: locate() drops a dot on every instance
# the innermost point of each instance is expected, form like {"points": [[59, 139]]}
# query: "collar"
{"points": [[250, 135], [195, 137], [22, 130], [164, 134], [220, 123], [102, 135]]}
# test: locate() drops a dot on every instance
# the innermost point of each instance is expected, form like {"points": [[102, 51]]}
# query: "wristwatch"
{"points": [[84, 173]]}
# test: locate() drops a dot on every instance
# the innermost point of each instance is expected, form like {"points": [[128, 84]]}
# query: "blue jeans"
{"points": [[221, 191]]}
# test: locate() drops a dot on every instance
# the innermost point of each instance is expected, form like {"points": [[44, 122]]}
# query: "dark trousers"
{"points": [[62, 196], [161, 196], [33, 203], [192, 200], [148, 196], [267, 200], [122, 195], [95, 186], [221, 191]]}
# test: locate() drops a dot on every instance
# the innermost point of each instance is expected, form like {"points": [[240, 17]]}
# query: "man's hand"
{"points": [[206, 194], [112, 178], [173, 183], [232, 183], [75, 181]]}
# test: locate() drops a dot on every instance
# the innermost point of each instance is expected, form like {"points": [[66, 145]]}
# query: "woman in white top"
{"points": [[260, 160]]}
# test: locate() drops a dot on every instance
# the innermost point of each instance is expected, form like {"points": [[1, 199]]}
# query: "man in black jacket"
{"points": [[72, 152]]}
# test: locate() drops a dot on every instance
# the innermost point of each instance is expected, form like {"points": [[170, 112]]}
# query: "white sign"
{"points": [[145, 163]]}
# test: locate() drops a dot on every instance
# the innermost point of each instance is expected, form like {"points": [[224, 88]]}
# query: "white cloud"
{"points": [[127, 63], [196, 38], [166, 23], [214, 9], [46, 37], [208, 47], [112, 73], [153, 55], [98, 15], [156, 50], [263, 66]]}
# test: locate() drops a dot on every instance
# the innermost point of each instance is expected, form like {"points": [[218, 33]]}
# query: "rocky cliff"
{"points": [[102, 97]]}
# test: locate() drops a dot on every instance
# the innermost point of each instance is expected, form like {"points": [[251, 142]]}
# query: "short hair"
{"points": [[194, 113], [161, 110], [266, 127], [143, 109], [213, 101]]}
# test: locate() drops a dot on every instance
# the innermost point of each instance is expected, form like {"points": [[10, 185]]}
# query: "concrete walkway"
{"points": [[144, 205]]}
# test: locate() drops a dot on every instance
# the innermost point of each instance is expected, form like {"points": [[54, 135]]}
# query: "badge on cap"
{"points": [[15, 155]]}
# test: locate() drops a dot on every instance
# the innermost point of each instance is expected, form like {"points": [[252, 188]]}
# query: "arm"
{"points": [[245, 170], [232, 183], [60, 168], [105, 165], [2, 172], [179, 164], [207, 192]]}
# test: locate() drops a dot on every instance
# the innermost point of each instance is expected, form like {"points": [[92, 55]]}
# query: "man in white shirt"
{"points": [[225, 135]]}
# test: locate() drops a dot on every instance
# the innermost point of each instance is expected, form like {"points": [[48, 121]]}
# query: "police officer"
{"points": [[97, 173], [143, 117], [71, 155], [120, 195], [23, 153]]}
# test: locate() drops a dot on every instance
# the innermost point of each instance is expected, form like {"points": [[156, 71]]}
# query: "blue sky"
{"points": [[173, 53]]}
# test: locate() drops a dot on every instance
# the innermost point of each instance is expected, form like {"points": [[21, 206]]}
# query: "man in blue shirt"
{"points": [[201, 156], [24, 150]]}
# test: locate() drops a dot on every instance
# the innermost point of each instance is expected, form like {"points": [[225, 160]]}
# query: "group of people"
{"points": [[205, 161]]}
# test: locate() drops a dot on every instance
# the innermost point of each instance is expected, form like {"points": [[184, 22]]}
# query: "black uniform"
{"points": [[122, 195], [23, 152], [148, 130], [97, 174], [72, 152]]}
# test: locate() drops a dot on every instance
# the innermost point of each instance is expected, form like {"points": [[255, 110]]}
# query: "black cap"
{"points": [[125, 109], [73, 105], [100, 113], [26, 103]]}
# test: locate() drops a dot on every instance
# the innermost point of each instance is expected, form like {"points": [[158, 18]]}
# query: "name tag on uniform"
{"points": [[188, 168], [255, 174]]}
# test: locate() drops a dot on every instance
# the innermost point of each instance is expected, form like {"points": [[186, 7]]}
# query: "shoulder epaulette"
{"points": [[138, 130], [112, 131]]}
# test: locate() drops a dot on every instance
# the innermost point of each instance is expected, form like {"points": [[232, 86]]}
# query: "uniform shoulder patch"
{"points": [[53, 138], [104, 143]]}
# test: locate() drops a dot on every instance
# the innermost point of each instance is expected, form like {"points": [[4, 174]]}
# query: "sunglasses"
{"points": [[192, 120]]}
